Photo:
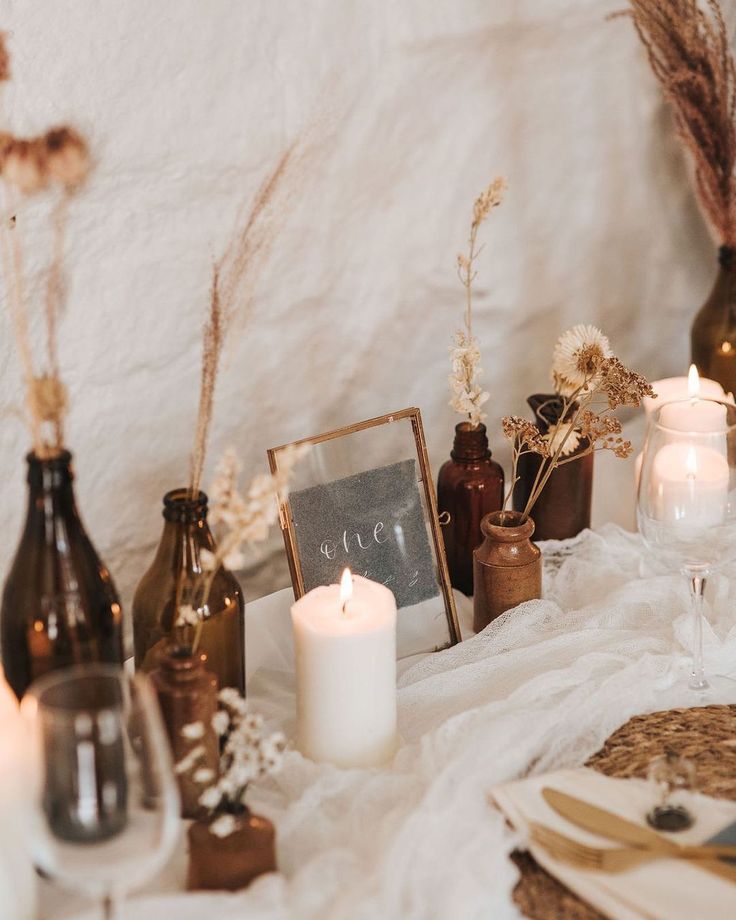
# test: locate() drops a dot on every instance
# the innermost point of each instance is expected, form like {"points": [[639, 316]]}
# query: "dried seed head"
{"points": [[67, 157], [4, 58], [24, 165]]}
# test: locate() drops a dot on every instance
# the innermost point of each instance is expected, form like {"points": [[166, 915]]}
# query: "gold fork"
{"points": [[618, 859]]}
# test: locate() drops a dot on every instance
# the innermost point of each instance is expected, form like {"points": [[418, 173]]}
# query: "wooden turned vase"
{"points": [[507, 567], [232, 862]]}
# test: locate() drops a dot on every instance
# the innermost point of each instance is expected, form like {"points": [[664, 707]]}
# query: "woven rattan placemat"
{"points": [[706, 735]]}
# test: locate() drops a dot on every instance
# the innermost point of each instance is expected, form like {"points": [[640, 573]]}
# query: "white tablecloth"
{"points": [[539, 689]]}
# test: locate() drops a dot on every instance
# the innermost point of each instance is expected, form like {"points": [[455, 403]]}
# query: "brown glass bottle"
{"points": [[469, 486], [713, 333], [59, 606], [185, 534], [563, 507]]}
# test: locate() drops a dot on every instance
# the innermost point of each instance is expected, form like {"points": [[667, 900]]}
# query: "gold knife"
{"points": [[603, 822], [599, 821]]}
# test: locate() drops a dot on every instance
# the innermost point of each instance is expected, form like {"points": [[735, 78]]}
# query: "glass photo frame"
{"points": [[363, 498]]}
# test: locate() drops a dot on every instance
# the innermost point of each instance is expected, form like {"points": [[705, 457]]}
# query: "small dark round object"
{"points": [[670, 818]]}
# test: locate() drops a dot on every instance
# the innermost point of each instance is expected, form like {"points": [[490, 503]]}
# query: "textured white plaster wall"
{"points": [[187, 103]]}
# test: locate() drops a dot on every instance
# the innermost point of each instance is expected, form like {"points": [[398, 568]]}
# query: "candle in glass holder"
{"points": [[691, 484], [345, 647]]}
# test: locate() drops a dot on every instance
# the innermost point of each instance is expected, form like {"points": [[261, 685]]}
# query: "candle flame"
{"points": [[691, 463], [346, 586], [693, 382]]}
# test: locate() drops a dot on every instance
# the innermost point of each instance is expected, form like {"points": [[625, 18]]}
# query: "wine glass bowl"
{"points": [[686, 502], [106, 817]]}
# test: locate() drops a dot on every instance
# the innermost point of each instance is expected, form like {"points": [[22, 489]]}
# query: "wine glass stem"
{"points": [[697, 590], [110, 907]]}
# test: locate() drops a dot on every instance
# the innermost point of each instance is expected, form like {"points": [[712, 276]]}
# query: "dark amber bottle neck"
{"points": [[185, 530], [180, 507], [727, 258], [470, 443], [50, 487]]}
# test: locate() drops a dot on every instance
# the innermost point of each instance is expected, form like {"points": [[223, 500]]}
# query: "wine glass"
{"points": [[686, 504], [106, 815]]}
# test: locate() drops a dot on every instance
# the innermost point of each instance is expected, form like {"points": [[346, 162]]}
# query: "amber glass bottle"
{"points": [[469, 486], [59, 606], [713, 333], [185, 534]]}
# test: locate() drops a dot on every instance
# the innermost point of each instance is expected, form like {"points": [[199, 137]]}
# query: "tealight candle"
{"points": [[691, 485], [345, 646]]}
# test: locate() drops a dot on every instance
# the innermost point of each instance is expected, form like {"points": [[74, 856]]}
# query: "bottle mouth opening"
{"points": [[62, 458], [181, 506]]}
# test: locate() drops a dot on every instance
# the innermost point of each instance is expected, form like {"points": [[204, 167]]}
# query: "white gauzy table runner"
{"points": [[539, 689]]}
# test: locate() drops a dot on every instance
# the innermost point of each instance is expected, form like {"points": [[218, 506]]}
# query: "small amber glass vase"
{"points": [[187, 695], [177, 559], [232, 862], [469, 486], [507, 567], [713, 333]]}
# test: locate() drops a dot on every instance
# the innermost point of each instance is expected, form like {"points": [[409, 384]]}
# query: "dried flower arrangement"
{"points": [[690, 54], [244, 520], [247, 753], [56, 162], [467, 395], [590, 383]]}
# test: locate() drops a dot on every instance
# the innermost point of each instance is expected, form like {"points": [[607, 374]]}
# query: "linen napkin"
{"points": [[664, 889]]}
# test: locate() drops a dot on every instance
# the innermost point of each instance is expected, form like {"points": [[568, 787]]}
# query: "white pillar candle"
{"points": [[673, 388], [17, 876], [690, 483], [345, 646]]}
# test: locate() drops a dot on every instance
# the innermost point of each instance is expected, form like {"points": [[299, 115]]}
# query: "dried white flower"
{"points": [[220, 722], [193, 731], [223, 826], [467, 395], [203, 775], [563, 431], [210, 798], [188, 616], [577, 358]]}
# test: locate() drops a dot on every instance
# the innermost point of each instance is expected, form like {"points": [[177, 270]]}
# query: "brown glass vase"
{"points": [[507, 567], [713, 333], [187, 695], [60, 606], [231, 862], [563, 507], [177, 559], [469, 486]]}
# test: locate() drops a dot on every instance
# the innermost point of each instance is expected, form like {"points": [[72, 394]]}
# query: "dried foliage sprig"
{"points": [[242, 520], [590, 383], [247, 752], [58, 162], [234, 278], [690, 54], [468, 397]]}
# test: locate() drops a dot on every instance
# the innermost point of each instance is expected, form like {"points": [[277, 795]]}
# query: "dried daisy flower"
{"points": [[585, 372], [468, 397], [577, 358]]}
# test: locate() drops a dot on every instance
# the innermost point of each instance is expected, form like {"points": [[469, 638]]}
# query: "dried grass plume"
{"points": [[690, 54]]}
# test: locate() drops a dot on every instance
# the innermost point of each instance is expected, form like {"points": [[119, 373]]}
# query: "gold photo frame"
{"points": [[364, 497]]}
